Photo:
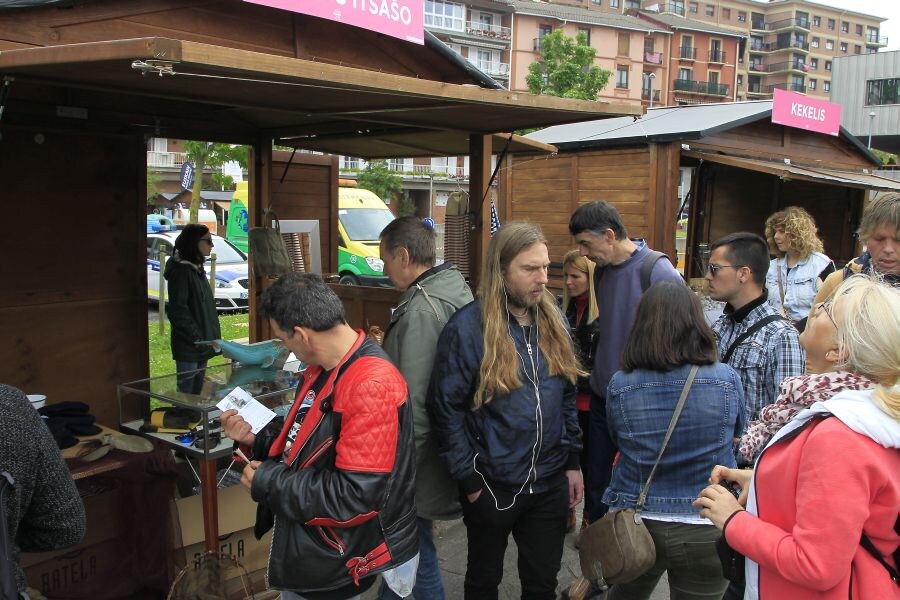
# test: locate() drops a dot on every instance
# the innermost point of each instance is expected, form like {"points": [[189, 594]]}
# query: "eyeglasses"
{"points": [[207, 240], [714, 268], [826, 308]]}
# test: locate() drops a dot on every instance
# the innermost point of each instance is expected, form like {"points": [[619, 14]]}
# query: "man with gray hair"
{"points": [[430, 297], [338, 472]]}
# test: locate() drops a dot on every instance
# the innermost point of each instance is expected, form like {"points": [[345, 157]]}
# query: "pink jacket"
{"points": [[814, 494]]}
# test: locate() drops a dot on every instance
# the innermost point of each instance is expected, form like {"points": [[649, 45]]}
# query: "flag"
{"points": [[495, 220]]}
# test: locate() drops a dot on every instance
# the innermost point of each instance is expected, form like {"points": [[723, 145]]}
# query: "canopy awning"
{"points": [[856, 179], [218, 93]]}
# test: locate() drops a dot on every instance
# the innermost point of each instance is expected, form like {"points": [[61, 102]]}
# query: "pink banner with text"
{"points": [[801, 111], [404, 19]]}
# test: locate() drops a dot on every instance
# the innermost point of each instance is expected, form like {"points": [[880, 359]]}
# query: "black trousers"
{"points": [[538, 525], [601, 453]]}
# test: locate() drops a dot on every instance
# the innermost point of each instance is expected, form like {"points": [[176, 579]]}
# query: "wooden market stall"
{"points": [[733, 164]]}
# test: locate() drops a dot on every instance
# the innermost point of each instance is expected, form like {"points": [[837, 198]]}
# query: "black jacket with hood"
{"points": [[191, 310]]}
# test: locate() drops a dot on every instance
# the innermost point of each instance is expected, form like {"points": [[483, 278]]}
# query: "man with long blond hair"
{"points": [[503, 411]]}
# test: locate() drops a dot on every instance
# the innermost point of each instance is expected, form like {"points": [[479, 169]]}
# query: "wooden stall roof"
{"points": [[235, 95], [802, 173]]}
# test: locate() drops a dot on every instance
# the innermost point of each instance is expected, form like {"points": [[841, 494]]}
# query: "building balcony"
{"points": [[645, 95], [163, 160], [717, 56], [536, 44], [874, 40], [758, 24], [700, 87], [494, 32], [757, 90], [776, 46], [687, 53], [793, 23], [653, 58], [758, 67], [791, 87], [791, 65], [672, 7], [494, 69]]}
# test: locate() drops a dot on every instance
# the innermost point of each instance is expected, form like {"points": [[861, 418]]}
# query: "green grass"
{"points": [[234, 326]]}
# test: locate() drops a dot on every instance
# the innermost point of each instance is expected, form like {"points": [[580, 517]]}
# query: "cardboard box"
{"points": [[237, 515]]}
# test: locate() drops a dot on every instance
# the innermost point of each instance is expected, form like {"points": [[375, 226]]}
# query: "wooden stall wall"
{"points": [[73, 304]]}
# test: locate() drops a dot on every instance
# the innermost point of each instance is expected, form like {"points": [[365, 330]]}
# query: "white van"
{"points": [[205, 216]]}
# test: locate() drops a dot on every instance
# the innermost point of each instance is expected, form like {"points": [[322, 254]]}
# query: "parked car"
{"points": [[232, 282]]}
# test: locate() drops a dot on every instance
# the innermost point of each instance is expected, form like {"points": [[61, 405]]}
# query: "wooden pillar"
{"points": [[259, 175], [480, 147]]}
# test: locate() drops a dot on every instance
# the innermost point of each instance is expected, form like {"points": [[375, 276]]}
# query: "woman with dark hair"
{"points": [[670, 337], [192, 307]]}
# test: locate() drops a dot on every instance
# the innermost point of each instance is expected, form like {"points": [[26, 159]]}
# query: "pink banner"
{"points": [[404, 19], [801, 111]]}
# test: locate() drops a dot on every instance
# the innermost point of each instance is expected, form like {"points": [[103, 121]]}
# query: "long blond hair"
{"points": [[586, 266], [499, 373], [868, 314]]}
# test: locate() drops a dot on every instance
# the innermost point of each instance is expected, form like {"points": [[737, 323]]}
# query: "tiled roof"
{"points": [[679, 22], [574, 14]]}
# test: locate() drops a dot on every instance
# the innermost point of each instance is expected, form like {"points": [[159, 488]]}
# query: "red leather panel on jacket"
{"points": [[370, 392], [359, 566], [357, 520]]}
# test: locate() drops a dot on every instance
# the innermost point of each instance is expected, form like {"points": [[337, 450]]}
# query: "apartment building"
{"points": [[868, 89], [790, 44]]}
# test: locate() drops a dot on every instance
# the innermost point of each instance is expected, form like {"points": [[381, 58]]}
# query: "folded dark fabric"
{"points": [[64, 438], [67, 420], [64, 408]]}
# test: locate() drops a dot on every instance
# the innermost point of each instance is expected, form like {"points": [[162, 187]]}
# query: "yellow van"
{"points": [[361, 218]]}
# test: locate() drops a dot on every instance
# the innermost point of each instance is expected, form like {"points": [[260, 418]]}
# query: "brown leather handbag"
{"points": [[618, 548]]}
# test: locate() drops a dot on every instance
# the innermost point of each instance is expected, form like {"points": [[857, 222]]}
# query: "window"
{"points": [[692, 7], [587, 34], [595, 2], [685, 74], [831, 24], [813, 63], [817, 21], [742, 16], [882, 91], [446, 15], [859, 30], [740, 79], [872, 35], [814, 42], [857, 49], [829, 44], [676, 6], [826, 86], [614, 3], [827, 65], [713, 77], [844, 47], [624, 43], [812, 84], [622, 77], [845, 27], [710, 10]]}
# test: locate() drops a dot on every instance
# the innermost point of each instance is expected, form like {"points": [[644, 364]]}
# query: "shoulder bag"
{"points": [[268, 254], [618, 548]]}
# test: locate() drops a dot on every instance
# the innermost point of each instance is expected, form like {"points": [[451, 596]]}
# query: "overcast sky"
{"points": [[888, 9]]}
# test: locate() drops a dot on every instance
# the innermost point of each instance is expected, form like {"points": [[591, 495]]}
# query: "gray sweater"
{"points": [[44, 512]]}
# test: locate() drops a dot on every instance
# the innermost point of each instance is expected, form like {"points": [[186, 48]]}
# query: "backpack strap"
{"points": [[650, 261], [750, 331]]}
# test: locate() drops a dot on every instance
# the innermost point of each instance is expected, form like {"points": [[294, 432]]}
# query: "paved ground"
{"points": [[451, 547]]}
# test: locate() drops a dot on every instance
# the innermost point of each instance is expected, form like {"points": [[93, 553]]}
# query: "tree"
{"points": [[566, 68], [210, 154], [380, 180]]}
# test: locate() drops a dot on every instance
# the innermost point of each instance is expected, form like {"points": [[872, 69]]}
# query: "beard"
{"points": [[525, 300]]}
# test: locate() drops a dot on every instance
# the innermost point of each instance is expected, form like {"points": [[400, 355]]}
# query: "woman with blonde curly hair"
{"points": [[816, 518], [800, 267]]}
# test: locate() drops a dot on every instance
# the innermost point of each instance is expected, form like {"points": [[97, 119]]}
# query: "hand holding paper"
{"points": [[248, 408]]}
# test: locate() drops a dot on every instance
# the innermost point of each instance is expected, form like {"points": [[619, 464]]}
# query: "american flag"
{"points": [[495, 220]]}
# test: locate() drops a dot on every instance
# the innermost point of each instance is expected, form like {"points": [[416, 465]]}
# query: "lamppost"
{"points": [[871, 124], [650, 77]]}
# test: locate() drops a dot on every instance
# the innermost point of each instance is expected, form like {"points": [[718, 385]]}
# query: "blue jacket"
{"points": [[500, 438], [639, 406]]}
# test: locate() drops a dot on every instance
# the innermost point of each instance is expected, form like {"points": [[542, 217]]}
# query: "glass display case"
{"points": [[188, 420]]}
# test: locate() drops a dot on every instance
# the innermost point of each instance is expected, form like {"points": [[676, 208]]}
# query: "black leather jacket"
{"points": [[343, 505], [585, 336]]}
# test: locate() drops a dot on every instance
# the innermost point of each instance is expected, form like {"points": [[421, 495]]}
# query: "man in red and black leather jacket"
{"points": [[336, 477]]}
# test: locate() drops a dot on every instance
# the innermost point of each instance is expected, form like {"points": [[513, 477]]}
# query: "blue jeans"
{"points": [[429, 585], [190, 383]]}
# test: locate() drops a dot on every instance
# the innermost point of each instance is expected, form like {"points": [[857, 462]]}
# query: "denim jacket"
{"points": [[800, 284], [639, 406]]}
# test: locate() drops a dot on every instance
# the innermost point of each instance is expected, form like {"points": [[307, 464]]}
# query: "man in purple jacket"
{"points": [[625, 269]]}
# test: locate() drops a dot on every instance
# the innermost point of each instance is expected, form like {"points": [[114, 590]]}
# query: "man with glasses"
{"points": [[625, 269], [754, 338]]}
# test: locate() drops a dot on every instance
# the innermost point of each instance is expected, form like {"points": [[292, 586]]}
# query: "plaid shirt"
{"points": [[764, 359]]}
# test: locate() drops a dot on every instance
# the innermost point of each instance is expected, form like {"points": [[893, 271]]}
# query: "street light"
{"points": [[650, 77], [871, 124]]}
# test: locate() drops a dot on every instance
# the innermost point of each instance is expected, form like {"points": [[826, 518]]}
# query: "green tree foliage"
{"points": [[566, 68], [153, 180], [378, 178], [406, 206], [210, 154]]}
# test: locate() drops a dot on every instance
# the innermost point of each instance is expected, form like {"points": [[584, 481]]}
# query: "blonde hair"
{"points": [[586, 266], [884, 210], [499, 373], [868, 314], [799, 226]]}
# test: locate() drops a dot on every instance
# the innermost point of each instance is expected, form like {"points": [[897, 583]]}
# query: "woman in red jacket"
{"points": [[827, 481]]}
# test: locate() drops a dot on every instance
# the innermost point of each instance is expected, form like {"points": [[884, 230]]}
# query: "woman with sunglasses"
{"points": [[816, 518], [192, 307]]}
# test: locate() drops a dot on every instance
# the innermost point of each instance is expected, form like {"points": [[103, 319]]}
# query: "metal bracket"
{"points": [[158, 67]]}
